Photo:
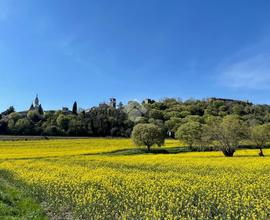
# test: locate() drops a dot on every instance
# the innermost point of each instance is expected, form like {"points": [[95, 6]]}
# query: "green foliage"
{"points": [[14, 116], [34, 116], [190, 133], [260, 135], [63, 122], [3, 126], [227, 132], [156, 114], [147, 135], [14, 204], [23, 126], [173, 124], [169, 114]]}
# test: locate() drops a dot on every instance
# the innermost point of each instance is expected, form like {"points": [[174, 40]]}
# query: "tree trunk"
{"points": [[148, 148], [228, 152], [261, 152]]}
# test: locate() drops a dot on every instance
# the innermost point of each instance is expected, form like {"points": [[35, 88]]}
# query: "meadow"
{"points": [[107, 179]]}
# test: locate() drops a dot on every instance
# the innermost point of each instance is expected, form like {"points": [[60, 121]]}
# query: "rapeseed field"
{"points": [[73, 179]]}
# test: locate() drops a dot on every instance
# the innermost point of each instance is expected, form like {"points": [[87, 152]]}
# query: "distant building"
{"points": [[65, 109], [35, 104], [112, 102], [135, 110], [228, 100], [103, 105]]}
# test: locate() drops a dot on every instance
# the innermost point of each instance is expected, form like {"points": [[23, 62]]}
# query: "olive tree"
{"points": [[227, 133], [190, 133], [147, 135], [260, 135]]}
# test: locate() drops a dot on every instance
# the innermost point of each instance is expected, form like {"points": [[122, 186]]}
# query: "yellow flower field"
{"points": [[72, 178]]}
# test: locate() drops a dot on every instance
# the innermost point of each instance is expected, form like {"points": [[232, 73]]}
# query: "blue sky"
{"points": [[88, 50]]}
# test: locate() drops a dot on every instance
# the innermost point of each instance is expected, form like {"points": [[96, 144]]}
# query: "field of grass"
{"points": [[107, 179]]}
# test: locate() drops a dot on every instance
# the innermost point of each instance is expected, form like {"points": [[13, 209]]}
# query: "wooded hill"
{"points": [[105, 120]]}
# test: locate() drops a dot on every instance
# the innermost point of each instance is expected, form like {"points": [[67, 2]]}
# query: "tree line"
{"points": [[225, 134], [221, 122], [98, 121]]}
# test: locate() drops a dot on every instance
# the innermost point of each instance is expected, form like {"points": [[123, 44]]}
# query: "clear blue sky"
{"points": [[132, 49]]}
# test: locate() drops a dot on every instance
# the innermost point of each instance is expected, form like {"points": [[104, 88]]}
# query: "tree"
{"points": [[10, 110], [75, 108], [173, 124], [40, 110], [63, 122], [23, 126], [260, 135], [227, 132], [147, 135], [32, 107], [3, 126], [50, 130], [34, 116], [14, 116], [76, 127], [156, 114], [190, 133]]}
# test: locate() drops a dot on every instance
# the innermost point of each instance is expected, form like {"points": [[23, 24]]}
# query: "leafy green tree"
{"points": [[190, 133], [227, 132], [156, 114], [173, 124], [260, 135], [63, 121], [76, 127], [15, 116], [11, 126], [23, 126], [147, 135]]}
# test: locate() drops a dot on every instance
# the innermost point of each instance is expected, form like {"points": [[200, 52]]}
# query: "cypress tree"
{"points": [[40, 110], [32, 107], [75, 108]]}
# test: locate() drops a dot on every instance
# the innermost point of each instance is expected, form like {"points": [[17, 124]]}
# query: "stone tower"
{"points": [[113, 102], [36, 102]]}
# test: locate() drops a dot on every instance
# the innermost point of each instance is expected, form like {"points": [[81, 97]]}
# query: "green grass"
{"points": [[14, 204]]}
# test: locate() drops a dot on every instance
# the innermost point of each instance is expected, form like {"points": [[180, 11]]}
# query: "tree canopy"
{"points": [[147, 135]]}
